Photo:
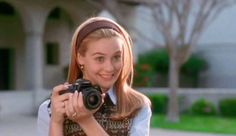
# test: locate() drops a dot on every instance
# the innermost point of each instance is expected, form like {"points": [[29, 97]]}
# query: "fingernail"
{"points": [[66, 86]]}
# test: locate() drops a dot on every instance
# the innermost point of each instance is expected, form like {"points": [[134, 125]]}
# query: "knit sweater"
{"points": [[114, 127]]}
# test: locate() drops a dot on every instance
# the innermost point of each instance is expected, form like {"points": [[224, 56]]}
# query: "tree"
{"points": [[121, 9], [181, 23]]}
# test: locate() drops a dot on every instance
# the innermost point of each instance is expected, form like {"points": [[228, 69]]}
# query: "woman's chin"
{"points": [[105, 88]]}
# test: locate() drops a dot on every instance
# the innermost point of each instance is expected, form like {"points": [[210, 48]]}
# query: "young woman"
{"points": [[102, 54]]}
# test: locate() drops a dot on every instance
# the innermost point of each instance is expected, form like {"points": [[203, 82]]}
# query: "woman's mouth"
{"points": [[107, 76]]}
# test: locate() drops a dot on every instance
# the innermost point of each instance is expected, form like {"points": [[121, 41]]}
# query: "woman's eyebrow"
{"points": [[117, 52], [100, 53], [97, 53]]}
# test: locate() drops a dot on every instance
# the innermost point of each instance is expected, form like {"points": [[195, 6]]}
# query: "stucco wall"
{"points": [[221, 72]]}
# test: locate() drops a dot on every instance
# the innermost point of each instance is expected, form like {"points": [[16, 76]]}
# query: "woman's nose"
{"points": [[109, 66]]}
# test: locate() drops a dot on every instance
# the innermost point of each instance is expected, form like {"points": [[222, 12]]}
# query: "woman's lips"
{"points": [[107, 76]]}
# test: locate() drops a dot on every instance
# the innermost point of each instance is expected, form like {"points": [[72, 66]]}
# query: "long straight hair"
{"points": [[129, 101]]}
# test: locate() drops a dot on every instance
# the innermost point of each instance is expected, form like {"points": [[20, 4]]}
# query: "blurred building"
{"points": [[218, 46], [35, 42]]}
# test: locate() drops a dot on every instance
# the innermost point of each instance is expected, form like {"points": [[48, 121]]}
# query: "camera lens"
{"points": [[92, 99]]}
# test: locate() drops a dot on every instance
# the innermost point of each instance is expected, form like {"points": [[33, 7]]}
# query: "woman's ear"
{"points": [[80, 59]]}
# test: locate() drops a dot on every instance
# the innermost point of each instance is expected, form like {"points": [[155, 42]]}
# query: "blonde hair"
{"points": [[129, 101]]}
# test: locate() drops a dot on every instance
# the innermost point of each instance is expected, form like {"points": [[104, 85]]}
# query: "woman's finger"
{"points": [[103, 97], [67, 109], [75, 101], [80, 100], [70, 104], [56, 90]]}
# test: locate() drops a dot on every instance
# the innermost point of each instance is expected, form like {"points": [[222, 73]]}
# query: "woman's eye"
{"points": [[99, 59], [117, 57]]}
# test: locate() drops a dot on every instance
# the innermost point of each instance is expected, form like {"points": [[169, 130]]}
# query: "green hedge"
{"points": [[227, 107], [203, 107], [159, 103], [151, 70]]}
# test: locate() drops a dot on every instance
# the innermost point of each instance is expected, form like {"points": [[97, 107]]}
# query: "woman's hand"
{"points": [[77, 112], [58, 103], [75, 109]]}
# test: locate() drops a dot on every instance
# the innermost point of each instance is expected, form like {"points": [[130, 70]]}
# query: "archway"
{"points": [[57, 37], [11, 42]]}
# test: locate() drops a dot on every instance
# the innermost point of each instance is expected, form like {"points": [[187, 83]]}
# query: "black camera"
{"points": [[91, 94]]}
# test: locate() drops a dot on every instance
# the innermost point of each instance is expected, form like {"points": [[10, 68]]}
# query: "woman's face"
{"points": [[102, 61]]}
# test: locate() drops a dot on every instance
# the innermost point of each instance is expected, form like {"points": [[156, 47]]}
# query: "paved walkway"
{"points": [[22, 125]]}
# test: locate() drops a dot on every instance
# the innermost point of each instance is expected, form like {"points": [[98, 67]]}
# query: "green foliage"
{"points": [[152, 68], [148, 67], [159, 103], [203, 107], [157, 59], [193, 66], [227, 107], [144, 75], [210, 124]]}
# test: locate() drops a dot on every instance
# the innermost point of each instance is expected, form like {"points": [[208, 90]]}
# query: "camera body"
{"points": [[91, 94]]}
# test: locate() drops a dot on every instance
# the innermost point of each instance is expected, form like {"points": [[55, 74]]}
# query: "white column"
{"points": [[34, 17], [34, 60]]}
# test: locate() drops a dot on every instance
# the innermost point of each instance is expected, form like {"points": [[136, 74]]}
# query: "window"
{"points": [[55, 14], [6, 9], [52, 53], [6, 69]]}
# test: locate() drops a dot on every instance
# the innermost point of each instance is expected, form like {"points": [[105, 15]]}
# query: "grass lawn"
{"points": [[211, 124]]}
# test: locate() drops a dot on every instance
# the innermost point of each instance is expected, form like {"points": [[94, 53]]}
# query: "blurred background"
{"points": [[184, 53]]}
